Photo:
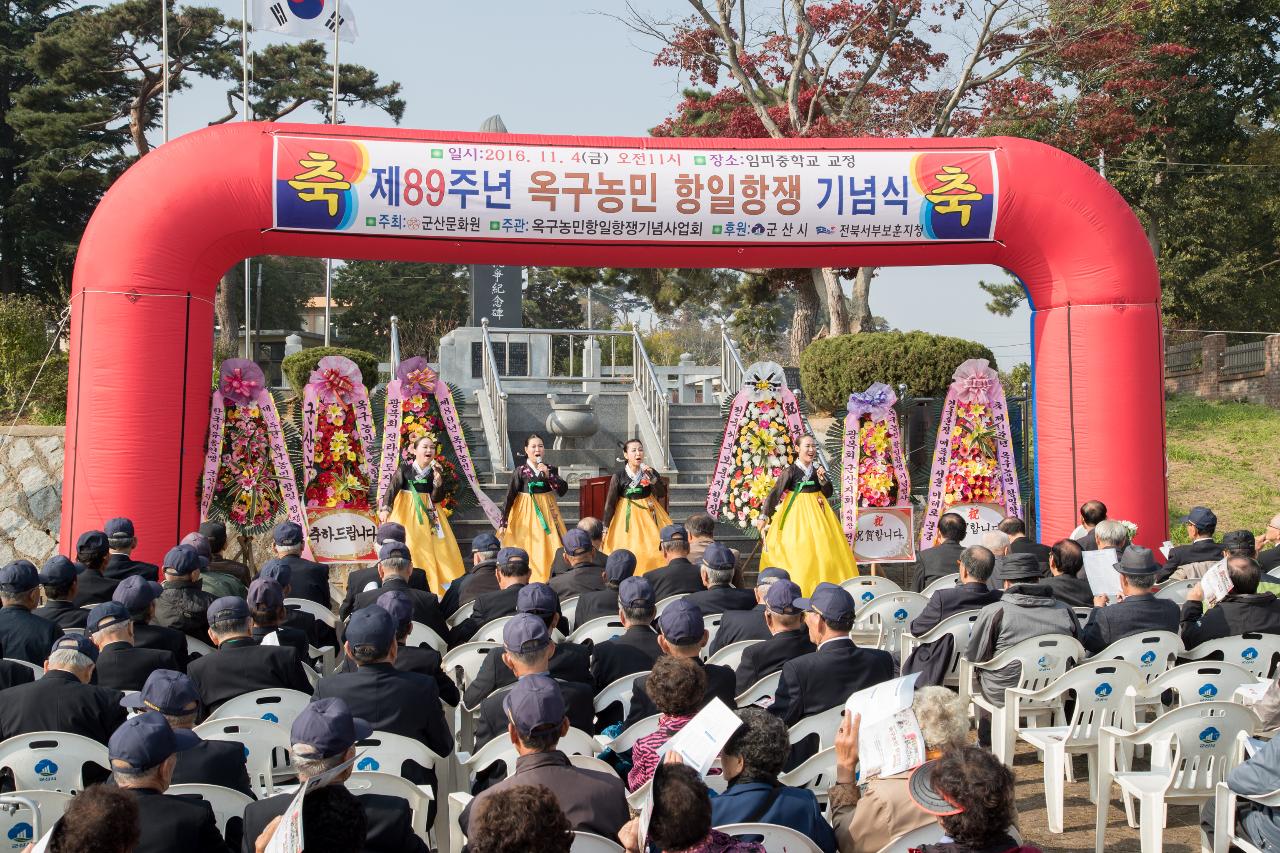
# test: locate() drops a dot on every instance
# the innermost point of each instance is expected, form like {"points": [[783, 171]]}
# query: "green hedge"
{"points": [[47, 405], [297, 367], [833, 368]]}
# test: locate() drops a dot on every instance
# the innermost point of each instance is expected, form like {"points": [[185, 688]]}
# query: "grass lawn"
{"points": [[1223, 456]]}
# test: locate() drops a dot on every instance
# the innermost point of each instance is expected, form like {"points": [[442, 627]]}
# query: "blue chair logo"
{"points": [[246, 752], [900, 615], [21, 834], [368, 763], [270, 717], [1208, 692], [1148, 658], [1250, 654], [1103, 690], [1210, 736], [46, 768], [867, 596], [1043, 663]]}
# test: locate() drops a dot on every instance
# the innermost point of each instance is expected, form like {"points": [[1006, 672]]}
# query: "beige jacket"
{"points": [[883, 812]]}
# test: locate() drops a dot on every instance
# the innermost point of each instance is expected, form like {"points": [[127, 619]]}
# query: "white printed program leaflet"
{"points": [[1100, 570], [1216, 583], [702, 738], [288, 835], [889, 737]]}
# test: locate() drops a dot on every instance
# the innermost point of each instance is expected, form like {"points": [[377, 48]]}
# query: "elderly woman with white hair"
{"points": [[870, 814]]}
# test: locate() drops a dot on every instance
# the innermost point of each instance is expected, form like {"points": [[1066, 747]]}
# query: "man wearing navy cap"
{"points": [[678, 575], [683, 634], [323, 737], [394, 565], [240, 665], [319, 633], [139, 596], [1138, 609], [212, 581], [536, 719], [310, 579], [23, 635], [512, 573], [421, 659], [183, 603], [122, 666], [403, 703], [788, 640], [143, 753], [93, 586], [569, 662], [594, 528], [634, 650], [267, 613], [63, 700], [618, 566], [739, 625], [366, 579], [582, 573], [720, 596], [527, 651], [120, 563], [59, 582], [210, 762], [1201, 524], [479, 579]]}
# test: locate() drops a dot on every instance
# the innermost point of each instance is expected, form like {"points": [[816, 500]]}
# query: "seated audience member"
{"points": [[868, 817], [478, 580], [1257, 823], [739, 625], [13, 673], [215, 533], [997, 542], [636, 648], [420, 659], [215, 583], [536, 720], [594, 528], [93, 587], [63, 700], [319, 634], [1239, 543], [1268, 546], [59, 584], [720, 596], [143, 753], [520, 819], [528, 651], [940, 560], [1243, 610], [402, 703], [366, 579], [976, 564], [618, 566], [100, 819], [971, 793], [121, 665], [310, 580], [1138, 609], [1109, 533], [267, 615], [675, 686], [1027, 609], [23, 635], [139, 595], [209, 762], [681, 818], [239, 664], [120, 563], [183, 604], [333, 821], [513, 573], [323, 737], [394, 565], [1192, 561], [788, 636], [679, 575], [702, 533], [582, 573], [1066, 561], [752, 760], [1019, 543], [1091, 512], [682, 635]]}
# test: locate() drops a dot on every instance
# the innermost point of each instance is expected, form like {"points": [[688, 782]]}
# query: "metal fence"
{"points": [[1245, 358]]}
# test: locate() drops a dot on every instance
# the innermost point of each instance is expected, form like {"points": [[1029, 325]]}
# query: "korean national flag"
{"points": [[305, 18]]}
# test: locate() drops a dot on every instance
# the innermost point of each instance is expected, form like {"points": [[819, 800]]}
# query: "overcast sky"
{"points": [[567, 67]]}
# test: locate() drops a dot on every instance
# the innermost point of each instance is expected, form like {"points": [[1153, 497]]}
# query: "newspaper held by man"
{"points": [[1216, 583]]}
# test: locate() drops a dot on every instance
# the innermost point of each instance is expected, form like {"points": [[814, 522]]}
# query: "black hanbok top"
{"points": [[620, 487], [526, 479], [790, 480], [407, 477]]}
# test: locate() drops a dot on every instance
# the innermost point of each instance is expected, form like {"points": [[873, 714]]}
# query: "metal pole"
{"points": [[244, 62], [248, 311], [164, 63], [244, 53], [328, 262], [328, 296], [257, 326], [590, 325]]}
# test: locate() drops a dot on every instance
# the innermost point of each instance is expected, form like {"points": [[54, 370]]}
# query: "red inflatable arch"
{"points": [[142, 307]]}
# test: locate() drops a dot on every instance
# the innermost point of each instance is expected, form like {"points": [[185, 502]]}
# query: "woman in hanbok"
{"points": [[416, 488], [633, 512], [531, 517], [801, 531]]}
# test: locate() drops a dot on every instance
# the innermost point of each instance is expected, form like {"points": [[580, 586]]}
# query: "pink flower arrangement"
{"points": [[972, 473]]}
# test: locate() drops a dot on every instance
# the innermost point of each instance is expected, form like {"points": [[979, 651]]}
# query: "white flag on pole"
{"points": [[305, 18]]}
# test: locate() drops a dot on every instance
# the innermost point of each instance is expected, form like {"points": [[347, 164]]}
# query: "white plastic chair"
{"points": [[197, 648], [930, 833], [731, 655], [1104, 697], [260, 738], [817, 773], [1203, 681], [764, 689], [491, 631], [1151, 652], [463, 663], [664, 603], [457, 804], [627, 737], [590, 762], [306, 605], [589, 842], [824, 725], [1253, 651], [959, 626], [1176, 591], [36, 669], [782, 838], [423, 635], [867, 587], [598, 630], [637, 797], [711, 622], [383, 752], [225, 802], [568, 609], [945, 582], [275, 705], [1192, 750], [51, 761], [418, 797], [620, 691], [1043, 660], [26, 816], [574, 742], [461, 614], [891, 615]]}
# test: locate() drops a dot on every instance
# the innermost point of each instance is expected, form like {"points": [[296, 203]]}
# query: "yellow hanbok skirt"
{"points": [[810, 544], [438, 556], [641, 534], [524, 530]]}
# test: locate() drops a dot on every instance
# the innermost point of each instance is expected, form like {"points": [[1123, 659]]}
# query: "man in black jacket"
{"points": [[183, 603], [58, 580], [367, 580], [421, 659], [310, 580], [678, 575], [394, 565], [324, 737], [739, 625], [1201, 524], [92, 587], [143, 754], [513, 574], [1019, 543], [139, 595], [618, 566], [789, 637], [1244, 610], [594, 528], [120, 563], [267, 613], [940, 560], [720, 596], [319, 633], [972, 593], [683, 635], [583, 572], [122, 666], [63, 700], [23, 635], [1138, 609], [1066, 560], [636, 648], [1091, 512], [479, 579], [240, 665]]}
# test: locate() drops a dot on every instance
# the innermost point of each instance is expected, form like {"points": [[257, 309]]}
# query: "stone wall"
{"points": [[30, 492], [1214, 371]]}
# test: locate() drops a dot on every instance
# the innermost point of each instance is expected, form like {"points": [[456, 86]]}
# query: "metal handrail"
{"points": [[653, 394], [612, 372], [497, 396], [731, 367]]}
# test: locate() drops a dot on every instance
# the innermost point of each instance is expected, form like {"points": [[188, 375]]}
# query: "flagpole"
{"points": [[164, 62], [244, 62], [328, 262]]}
